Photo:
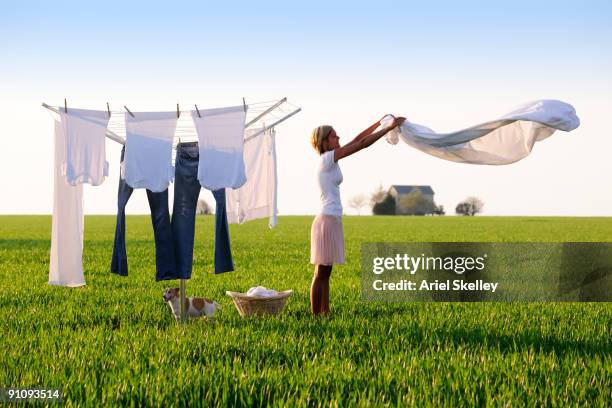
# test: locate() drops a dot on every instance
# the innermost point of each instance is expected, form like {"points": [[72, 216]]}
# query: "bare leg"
{"points": [[315, 293], [319, 289], [325, 297]]}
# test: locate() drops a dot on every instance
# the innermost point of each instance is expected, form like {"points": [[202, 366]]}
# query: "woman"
{"points": [[327, 235]]}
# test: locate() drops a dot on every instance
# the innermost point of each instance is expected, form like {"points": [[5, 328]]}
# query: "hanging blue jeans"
{"points": [[160, 217], [186, 192]]}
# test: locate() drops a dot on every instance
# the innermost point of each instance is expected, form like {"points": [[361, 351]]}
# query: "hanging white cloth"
{"points": [[147, 162], [66, 258], [85, 132], [504, 140], [221, 142], [257, 197]]}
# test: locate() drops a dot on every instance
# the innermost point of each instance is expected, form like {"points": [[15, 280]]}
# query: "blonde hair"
{"points": [[320, 134]]}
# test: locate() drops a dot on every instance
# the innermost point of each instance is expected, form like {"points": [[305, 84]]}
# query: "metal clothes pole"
{"points": [[182, 300], [272, 125], [264, 113]]}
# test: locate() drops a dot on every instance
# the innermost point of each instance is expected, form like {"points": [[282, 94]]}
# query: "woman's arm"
{"points": [[366, 132], [356, 145]]}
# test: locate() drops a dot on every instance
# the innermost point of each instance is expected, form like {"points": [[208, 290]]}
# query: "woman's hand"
{"points": [[366, 138], [397, 121]]}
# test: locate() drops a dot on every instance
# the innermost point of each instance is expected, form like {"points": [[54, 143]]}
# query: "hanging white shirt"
{"points": [[257, 197], [147, 162], [504, 140], [85, 133], [221, 142], [66, 258]]}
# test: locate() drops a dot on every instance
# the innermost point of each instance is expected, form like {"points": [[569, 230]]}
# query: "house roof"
{"points": [[408, 189]]}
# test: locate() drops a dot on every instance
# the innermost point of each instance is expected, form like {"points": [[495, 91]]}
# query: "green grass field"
{"points": [[115, 342]]}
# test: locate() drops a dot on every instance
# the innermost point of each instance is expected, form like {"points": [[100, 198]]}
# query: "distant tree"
{"points": [[470, 206], [358, 202], [439, 210], [377, 196], [385, 207], [203, 208], [476, 205], [462, 208]]}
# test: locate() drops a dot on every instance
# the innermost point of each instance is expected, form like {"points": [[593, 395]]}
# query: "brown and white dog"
{"points": [[194, 306]]}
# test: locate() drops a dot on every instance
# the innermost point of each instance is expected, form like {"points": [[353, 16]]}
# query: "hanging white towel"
{"points": [[257, 197], [504, 140], [85, 132], [147, 162], [221, 140], [66, 260]]}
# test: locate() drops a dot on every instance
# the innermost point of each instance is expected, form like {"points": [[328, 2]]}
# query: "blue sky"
{"points": [[190, 36], [442, 64]]}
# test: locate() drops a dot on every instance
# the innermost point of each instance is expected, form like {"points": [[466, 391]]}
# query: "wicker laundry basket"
{"points": [[254, 305]]}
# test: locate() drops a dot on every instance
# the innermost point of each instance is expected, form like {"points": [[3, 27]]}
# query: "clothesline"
{"points": [[186, 130], [272, 125], [251, 107]]}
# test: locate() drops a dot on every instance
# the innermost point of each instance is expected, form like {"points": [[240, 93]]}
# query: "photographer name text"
{"points": [[437, 285]]}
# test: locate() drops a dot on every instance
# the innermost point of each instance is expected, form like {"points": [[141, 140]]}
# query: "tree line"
{"points": [[382, 203]]}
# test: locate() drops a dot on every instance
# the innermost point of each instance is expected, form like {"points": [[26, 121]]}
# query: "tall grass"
{"points": [[114, 342]]}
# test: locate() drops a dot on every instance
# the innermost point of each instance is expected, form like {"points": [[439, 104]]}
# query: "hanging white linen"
{"points": [[148, 150], [504, 140], [85, 132], [66, 258], [257, 197], [221, 142]]}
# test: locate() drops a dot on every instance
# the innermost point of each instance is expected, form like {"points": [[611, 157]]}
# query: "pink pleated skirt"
{"points": [[327, 240]]}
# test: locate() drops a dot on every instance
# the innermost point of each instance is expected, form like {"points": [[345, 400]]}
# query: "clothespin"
{"points": [[128, 111], [244, 104], [108, 109], [197, 110], [65, 106], [178, 112]]}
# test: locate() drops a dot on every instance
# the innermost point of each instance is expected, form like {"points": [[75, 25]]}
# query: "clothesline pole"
{"points": [[182, 300], [272, 125], [264, 113]]}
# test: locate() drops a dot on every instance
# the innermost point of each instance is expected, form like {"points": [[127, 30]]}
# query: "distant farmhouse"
{"points": [[413, 200]]}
